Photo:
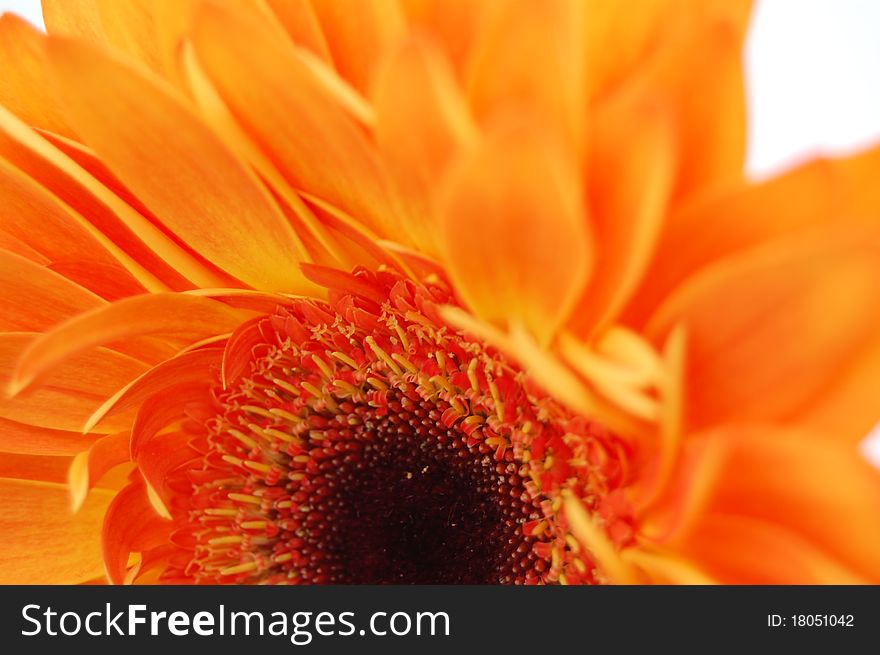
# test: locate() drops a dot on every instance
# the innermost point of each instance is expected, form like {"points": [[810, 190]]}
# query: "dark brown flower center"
{"points": [[370, 444], [400, 499]]}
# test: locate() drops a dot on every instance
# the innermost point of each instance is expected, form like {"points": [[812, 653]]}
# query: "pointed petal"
{"points": [[290, 115], [108, 281], [176, 166], [70, 392], [169, 315], [773, 330], [514, 235], [42, 541], [144, 249], [60, 239]]}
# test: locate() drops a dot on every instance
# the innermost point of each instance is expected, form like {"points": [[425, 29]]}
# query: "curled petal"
{"points": [[131, 525], [178, 315]]}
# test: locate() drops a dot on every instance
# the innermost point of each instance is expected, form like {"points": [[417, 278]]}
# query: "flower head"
{"points": [[406, 291]]}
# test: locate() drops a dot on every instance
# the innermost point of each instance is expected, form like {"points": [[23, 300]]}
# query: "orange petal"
{"points": [[46, 468], [848, 406], [714, 225], [177, 167], [771, 331], [42, 541], [310, 138], [457, 24], [192, 366], [81, 19], [788, 507], [108, 281], [358, 33], [70, 392], [739, 550], [159, 457], [421, 121], [631, 170], [301, 23], [514, 233], [656, 46], [33, 440], [60, 238], [26, 85], [34, 298], [131, 27], [89, 466], [131, 525], [148, 253], [710, 154], [16, 246], [169, 315], [503, 74], [158, 411]]}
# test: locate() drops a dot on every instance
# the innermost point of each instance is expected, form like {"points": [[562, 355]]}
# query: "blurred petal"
{"points": [[514, 234], [787, 507], [421, 121], [656, 46], [631, 170], [301, 22], [504, 74], [822, 192], [771, 331], [357, 33]]}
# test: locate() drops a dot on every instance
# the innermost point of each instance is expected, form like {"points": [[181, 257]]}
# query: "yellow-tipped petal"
{"points": [[513, 233]]}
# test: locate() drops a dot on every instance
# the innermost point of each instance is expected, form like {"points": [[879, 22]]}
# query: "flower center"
{"points": [[363, 442]]}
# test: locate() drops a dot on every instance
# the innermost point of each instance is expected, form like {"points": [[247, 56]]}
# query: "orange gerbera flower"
{"points": [[409, 291]]}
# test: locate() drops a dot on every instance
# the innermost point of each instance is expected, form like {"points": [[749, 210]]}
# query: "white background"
{"points": [[813, 69]]}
